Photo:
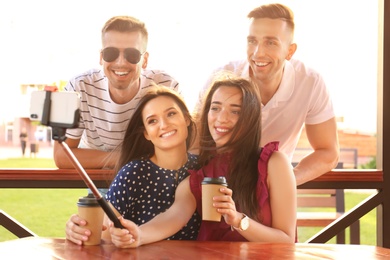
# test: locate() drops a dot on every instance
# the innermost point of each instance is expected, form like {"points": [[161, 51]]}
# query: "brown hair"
{"points": [[135, 145], [126, 24], [274, 11], [244, 142]]}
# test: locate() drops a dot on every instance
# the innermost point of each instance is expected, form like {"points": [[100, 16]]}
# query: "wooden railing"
{"points": [[351, 179], [336, 179], [52, 178], [70, 178]]}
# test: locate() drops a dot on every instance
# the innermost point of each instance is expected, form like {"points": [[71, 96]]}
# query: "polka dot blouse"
{"points": [[141, 190]]}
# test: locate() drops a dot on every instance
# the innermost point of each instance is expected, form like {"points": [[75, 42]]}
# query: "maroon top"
{"points": [[217, 167]]}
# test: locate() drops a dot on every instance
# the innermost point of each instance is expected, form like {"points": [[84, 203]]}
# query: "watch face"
{"points": [[244, 223]]}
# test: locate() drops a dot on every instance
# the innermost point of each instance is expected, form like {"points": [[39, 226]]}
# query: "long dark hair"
{"points": [[243, 144], [135, 145]]}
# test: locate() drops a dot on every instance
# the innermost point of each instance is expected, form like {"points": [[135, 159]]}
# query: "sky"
{"points": [[45, 41]]}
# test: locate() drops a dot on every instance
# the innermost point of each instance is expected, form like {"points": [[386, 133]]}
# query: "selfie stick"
{"points": [[59, 135]]}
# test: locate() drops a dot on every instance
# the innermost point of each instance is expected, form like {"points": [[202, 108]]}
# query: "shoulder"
{"points": [[91, 74], [267, 150], [236, 66], [279, 167], [272, 157], [304, 70], [277, 158], [158, 76], [192, 158], [89, 77], [304, 81], [192, 162], [133, 167]]}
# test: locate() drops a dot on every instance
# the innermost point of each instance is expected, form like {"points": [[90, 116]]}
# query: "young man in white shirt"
{"points": [[293, 95]]}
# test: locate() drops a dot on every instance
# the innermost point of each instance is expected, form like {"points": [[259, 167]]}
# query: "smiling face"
{"points": [[120, 73], [269, 44], [224, 113], [165, 124]]}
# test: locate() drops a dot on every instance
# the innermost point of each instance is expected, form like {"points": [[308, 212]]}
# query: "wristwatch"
{"points": [[244, 223]]}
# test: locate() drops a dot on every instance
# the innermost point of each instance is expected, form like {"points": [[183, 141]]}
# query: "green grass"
{"points": [[45, 211], [28, 163]]}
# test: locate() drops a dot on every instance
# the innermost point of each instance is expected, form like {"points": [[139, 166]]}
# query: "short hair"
{"points": [[126, 24], [274, 11]]}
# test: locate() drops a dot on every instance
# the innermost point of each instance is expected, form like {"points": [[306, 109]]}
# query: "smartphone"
{"points": [[55, 108]]}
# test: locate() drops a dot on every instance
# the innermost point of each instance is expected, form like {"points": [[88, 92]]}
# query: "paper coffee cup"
{"points": [[210, 188], [90, 210]]}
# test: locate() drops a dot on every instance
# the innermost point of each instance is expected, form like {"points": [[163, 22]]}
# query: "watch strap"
{"points": [[239, 226]]}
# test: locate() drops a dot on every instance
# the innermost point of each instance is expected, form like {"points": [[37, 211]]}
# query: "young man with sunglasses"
{"points": [[293, 96], [109, 95]]}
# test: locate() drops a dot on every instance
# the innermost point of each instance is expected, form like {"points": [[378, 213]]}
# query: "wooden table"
{"points": [[49, 248]]}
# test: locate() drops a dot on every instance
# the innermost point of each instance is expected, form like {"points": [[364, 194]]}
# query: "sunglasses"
{"points": [[132, 55]]}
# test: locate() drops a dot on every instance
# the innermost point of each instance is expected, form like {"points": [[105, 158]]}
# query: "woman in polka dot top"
{"points": [[153, 161]]}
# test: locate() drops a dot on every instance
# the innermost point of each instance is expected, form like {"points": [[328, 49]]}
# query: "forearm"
{"points": [[315, 164], [171, 221], [161, 227], [88, 158], [324, 141], [258, 232]]}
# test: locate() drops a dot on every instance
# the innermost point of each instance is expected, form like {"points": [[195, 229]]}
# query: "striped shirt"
{"points": [[103, 123]]}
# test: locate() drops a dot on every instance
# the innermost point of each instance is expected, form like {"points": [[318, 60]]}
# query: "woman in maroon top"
{"points": [[260, 201]]}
